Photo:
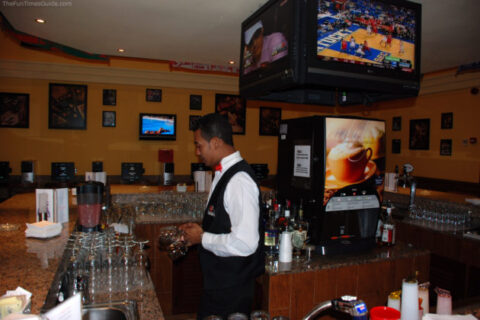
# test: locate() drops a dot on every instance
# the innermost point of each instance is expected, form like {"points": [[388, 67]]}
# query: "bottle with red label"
{"points": [[388, 230]]}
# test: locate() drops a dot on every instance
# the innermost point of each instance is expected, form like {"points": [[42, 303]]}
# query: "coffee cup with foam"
{"points": [[347, 161]]}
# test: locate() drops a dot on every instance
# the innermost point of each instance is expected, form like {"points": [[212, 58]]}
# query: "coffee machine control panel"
{"points": [[352, 199]]}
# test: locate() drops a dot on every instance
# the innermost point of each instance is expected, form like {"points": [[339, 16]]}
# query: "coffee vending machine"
{"points": [[336, 167]]}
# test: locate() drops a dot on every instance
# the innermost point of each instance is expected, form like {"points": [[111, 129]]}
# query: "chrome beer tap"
{"points": [[407, 180]]}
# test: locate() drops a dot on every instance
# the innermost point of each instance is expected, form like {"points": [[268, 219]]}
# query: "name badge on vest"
{"points": [[211, 211]]}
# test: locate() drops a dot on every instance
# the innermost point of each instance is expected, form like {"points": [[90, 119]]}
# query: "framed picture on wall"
{"points": [[109, 118], [396, 123], [109, 97], [269, 123], [396, 145], [446, 147], [67, 106], [419, 134], [192, 121], [195, 102], [233, 108], [154, 95], [447, 120], [14, 110]]}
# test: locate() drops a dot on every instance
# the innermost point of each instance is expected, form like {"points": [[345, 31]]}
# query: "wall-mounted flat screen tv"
{"points": [[335, 50], [154, 126], [268, 44]]}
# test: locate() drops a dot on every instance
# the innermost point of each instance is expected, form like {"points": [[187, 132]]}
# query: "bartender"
{"points": [[230, 237]]}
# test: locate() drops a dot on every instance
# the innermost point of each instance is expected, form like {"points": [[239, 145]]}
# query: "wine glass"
{"points": [[141, 257], [142, 263]]}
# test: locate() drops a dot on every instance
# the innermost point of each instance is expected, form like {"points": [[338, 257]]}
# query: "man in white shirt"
{"points": [[230, 238]]}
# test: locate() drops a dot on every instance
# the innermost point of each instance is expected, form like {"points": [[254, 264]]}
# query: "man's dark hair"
{"points": [[214, 125]]}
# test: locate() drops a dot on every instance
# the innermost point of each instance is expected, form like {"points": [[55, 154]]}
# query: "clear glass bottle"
{"points": [[378, 234], [271, 234]]}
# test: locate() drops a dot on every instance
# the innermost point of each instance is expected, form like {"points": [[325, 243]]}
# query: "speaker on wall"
{"points": [[97, 166]]}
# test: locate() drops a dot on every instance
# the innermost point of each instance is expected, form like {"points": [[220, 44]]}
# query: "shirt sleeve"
{"points": [[241, 203]]}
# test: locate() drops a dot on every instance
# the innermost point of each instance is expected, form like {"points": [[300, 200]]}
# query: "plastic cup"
{"points": [[384, 313]]}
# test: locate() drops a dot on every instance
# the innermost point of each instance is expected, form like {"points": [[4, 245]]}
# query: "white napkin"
{"points": [[432, 316], [19, 291], [43, 229], [120, 227]]}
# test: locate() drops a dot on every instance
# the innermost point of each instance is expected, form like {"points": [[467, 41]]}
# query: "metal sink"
{"points": [[124, 310]]}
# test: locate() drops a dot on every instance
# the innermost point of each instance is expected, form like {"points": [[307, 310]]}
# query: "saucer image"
{"points": [[332, 183]]}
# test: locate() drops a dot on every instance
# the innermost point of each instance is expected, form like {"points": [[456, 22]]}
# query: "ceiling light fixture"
{"points": [[121, 50], [40, 20], [231, 62]]}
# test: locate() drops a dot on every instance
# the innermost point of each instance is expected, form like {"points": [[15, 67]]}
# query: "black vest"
{"points": [[223, 272]]}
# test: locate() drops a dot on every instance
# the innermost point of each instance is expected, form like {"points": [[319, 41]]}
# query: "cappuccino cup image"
{"points": [[347, 161]]}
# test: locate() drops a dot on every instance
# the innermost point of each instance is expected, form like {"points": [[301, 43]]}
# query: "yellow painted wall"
{"points": [[121, 144]]}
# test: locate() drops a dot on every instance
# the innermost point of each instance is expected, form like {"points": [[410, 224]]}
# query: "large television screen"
{"points": [[355, 153], [367, 32], [155, 126], [370, 39], [339, 51]]}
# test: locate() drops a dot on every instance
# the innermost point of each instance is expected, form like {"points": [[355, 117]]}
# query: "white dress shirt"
{"points": [[241, 203]]}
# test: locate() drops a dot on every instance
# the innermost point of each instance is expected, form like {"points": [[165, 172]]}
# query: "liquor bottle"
{"points": [[388, 233], [284, 218], [271, 234], [300, 209]]}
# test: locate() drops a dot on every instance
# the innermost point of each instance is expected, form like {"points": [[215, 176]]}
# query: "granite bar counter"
{"points": [[32, 263]]}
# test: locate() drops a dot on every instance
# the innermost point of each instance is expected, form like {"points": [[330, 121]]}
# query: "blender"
{"points": [[89, 199]]}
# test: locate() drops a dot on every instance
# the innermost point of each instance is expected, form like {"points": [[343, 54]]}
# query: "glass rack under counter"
{"points": [[105, 268]]}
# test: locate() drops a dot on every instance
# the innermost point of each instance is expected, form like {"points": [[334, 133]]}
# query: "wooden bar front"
{"points": [[371, 277]]}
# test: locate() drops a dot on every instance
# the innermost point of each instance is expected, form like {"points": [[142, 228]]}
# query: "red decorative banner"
{"points": [[202, 67]]}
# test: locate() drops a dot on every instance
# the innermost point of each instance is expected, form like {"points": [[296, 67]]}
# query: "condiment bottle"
{"points": [[388, 232]]}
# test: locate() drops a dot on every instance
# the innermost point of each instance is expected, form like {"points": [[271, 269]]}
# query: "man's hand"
{"points": [[192, 233]]}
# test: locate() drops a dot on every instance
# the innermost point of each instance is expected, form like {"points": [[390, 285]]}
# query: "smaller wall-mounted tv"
{"points": [[154, 126]]}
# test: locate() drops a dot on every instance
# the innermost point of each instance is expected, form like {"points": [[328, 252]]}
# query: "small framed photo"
{"points": [[446, 147], [154, 95], [233, 108], [419, 134], [67, 106], [109, 97], [192, 121], [14, 110], [109, 118], [195, 102], [396, 145], [396, 123], [447, 120], [269, 121]]}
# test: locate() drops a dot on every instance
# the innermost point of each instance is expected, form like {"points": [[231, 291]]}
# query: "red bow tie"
{"points": [[218, 167]]}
